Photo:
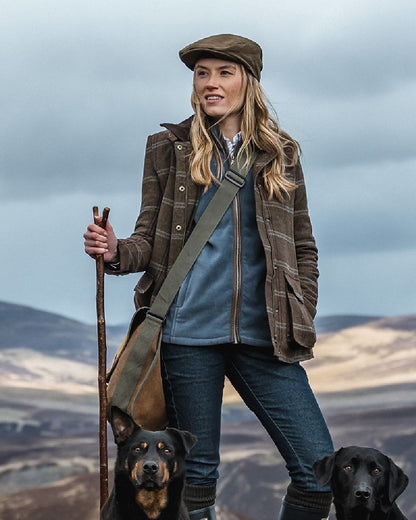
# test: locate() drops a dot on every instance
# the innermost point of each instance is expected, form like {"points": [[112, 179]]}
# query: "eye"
{"points": [[376, 471], [166, 451], [138, 449], [348, 468]]}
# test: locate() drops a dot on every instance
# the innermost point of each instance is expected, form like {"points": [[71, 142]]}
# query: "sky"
{"points": [[84, 83]]}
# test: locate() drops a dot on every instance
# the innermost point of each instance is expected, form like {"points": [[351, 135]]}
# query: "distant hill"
{"points": [[364, 375], [42, 349], [325, 324], [377, 353], [26, 327], [396, 323], [52, 334]]}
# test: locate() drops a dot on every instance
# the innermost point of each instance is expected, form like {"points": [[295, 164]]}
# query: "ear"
{"points": [[122, 425], [323, 469], [186, 439], [397, 481]]}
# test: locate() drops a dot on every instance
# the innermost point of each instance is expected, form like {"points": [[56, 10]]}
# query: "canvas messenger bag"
{"points": [[134, 382]]}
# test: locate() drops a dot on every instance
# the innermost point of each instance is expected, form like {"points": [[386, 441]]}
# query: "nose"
{"points": [[363, 492], [150, 467], [211, 85], [212, 81]]}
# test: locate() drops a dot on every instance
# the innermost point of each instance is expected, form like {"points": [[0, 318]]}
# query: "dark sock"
{"points": [[199, 497], [313, 500]]}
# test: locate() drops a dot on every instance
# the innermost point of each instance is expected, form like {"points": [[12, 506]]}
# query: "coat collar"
{"points": [[181, 132]]}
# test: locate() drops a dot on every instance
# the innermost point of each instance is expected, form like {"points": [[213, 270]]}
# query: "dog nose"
{"points": [[150, 467], [363, 492]]}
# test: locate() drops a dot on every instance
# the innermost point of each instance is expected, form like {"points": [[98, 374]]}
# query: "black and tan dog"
{"points": [[365, 483], [149, 472]]}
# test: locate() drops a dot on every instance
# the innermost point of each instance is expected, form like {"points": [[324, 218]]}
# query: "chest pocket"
{"points": [[143, 291]]}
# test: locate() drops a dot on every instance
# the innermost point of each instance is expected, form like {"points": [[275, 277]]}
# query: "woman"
{"points": [[246, 308]]}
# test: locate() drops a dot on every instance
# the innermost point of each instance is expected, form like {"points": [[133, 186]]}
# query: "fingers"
{"points": [[99, 241], [95, 240]]}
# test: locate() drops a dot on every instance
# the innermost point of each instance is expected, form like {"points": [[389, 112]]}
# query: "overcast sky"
{"points": [[84, 83]]}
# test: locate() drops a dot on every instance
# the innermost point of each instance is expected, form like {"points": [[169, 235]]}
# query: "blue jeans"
{"points": [[278, 393]]}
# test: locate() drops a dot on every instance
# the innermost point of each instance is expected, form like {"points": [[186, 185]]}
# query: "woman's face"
{"points": [[219, 86]]}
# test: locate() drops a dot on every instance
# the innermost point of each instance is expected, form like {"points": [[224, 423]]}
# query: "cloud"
{"points": [[87, 82], [345, 49], [45, 265], [375, 130], [365, 209], [372, 283], [86, 85]]}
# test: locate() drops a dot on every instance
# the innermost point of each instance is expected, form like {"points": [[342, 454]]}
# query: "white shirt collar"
{"points": [[232, 144]]}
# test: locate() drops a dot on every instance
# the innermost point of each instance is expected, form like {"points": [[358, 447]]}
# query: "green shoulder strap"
{"points": [[234, 179]]}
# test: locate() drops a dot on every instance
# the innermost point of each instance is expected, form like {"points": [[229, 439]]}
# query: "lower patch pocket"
{"points": [[302, 327]]}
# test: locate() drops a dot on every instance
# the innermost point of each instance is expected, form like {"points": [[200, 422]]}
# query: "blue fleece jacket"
{"points": [[222, 298]]}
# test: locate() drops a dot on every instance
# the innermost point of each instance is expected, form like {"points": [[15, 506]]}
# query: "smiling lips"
{"points": [[213, 99]]}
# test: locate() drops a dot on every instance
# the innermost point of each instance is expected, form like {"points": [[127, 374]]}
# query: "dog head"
{"points": [[149, 459], [361, 479]]}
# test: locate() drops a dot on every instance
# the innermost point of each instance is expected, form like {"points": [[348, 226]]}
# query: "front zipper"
{"points": [[235, 314], [237, 272]]}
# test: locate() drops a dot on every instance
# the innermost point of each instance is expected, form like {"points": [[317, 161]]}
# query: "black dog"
{"points": [[149, 472], [365, 483]]}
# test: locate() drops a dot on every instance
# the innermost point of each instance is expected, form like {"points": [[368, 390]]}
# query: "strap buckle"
{"points": [[235, 178], [154, 317]]}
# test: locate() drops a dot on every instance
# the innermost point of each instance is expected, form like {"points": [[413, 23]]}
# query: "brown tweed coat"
{"points": [[169, 199]]}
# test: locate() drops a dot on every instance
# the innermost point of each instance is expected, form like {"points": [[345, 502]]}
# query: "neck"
{"points": [[230, 126]]}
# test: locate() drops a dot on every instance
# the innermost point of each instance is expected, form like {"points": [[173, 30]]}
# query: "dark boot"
{"points": [[208, 513], [295, 512]]}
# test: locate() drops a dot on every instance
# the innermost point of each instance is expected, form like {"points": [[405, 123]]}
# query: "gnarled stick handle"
{"points": [[104, 218]]}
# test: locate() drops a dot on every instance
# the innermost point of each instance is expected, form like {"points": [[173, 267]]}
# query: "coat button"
{"points": [[179, 147], [178, 228], [181, 188]]}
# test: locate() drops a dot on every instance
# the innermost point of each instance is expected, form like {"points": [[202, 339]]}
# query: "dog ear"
{"points": [[187, 439], [122, 425], [398, 481], [323, 468]]}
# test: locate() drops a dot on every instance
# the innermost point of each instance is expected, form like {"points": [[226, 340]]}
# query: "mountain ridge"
{"points": [[49, 413], [42, 349], [25, 326]]}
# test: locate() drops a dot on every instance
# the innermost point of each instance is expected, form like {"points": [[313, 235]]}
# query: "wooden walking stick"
{"points": [[102, 365]]}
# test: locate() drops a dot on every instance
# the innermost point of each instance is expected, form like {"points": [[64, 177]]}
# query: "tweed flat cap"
{"points": [[228, 47]]}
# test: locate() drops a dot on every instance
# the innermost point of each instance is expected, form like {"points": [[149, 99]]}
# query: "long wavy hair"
{"points": [[259, 131]]}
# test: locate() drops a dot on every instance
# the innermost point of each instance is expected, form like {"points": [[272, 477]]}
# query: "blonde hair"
{"points": [[259, 131]]}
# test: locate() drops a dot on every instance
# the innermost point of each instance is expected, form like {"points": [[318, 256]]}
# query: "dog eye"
{"points": [[167, 451], [376, 471], [348, 468], [138, 449]]}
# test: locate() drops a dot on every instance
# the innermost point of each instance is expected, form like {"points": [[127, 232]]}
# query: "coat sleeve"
{"points": [[306, 250], [135, 252]]}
